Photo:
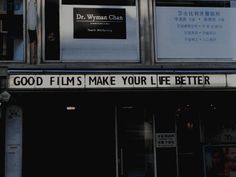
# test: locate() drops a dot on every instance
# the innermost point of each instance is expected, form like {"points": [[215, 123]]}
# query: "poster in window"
{"points": [[220, 161], [99, 33], [195, 30]]}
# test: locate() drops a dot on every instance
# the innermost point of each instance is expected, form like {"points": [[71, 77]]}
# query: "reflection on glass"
{"points": [[220, 131], [220, 161], [11, 30], [135, 144]]}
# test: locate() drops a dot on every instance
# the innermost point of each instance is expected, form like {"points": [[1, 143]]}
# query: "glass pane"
{"points": [[220, 161], [52, 39], [100, 2], [195, 29], [135, 143], [220, 131], [189, 147], [11, 30], [85, 25]]}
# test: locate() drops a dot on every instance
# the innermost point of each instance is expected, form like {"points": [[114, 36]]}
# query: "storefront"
{"points": [[118, 88], [75, 123]]}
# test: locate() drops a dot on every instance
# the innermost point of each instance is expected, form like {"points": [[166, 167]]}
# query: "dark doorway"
{"points": [[135, 142], [70, 138]]}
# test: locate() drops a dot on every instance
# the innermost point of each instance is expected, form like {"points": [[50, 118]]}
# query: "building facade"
{"points": [[118, 88]]}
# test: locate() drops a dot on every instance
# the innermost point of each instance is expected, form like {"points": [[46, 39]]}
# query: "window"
{"points": [[92, 31], [195, 30], [11, 30]]}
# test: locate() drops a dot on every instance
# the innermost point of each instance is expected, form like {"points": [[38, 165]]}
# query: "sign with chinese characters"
{"points": [[165, 140], [121, 81], [195, 32]]}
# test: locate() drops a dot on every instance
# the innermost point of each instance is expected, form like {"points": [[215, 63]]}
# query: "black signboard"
{"points": [[99, 23], [100, 2]]}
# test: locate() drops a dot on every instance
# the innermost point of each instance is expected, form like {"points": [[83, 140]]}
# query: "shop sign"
{"points": [[121, 81], [195, 32], [99, 33], [46, 81], [99, 23], [191, 80], [165, 140]]}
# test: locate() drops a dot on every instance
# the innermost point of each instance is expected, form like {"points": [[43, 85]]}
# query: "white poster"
{"points": [[195, 32], [164, 140], [99, 33]]}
